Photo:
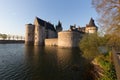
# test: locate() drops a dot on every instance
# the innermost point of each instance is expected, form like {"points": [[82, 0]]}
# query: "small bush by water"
{"points": [[104, 63]]}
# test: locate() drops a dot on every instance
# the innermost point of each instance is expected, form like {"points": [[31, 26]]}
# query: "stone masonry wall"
{"points": [[91, 29], [29, 35], [51, 42], [39, 35], [68, 39]]}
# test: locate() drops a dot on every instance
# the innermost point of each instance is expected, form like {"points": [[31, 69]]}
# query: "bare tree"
{"points": [[17, 37], [21, 37], [9, 37], [109, 18], [4, 36], [109, 11], [13, 37]]}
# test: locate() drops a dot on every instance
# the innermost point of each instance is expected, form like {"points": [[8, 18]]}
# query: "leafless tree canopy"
{"points": [[109, 14]]}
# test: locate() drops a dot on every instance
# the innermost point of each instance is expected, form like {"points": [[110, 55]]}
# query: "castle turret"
{"points": [[91, 27], [59, 27], [68, 39], [29, 36]]}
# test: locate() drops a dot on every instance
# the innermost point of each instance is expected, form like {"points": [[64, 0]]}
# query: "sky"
{"points": [[14, 14]]}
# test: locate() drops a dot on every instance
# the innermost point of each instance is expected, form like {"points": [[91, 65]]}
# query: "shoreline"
{"points": [[11, 41]]}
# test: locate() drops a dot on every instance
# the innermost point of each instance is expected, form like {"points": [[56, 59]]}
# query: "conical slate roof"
{"points": [[91, 23], [59, 25]]}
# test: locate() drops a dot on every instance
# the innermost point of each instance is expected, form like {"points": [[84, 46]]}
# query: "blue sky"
{"points": [[14, 14]]}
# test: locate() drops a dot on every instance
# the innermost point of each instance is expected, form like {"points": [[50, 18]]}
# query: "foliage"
{"points": [[3, 36], [104, 61], [109, 19], [11, 37], [90, 44], [113, 40]]}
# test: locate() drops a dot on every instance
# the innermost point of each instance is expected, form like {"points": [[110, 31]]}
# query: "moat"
{"points": [[19, 62]]}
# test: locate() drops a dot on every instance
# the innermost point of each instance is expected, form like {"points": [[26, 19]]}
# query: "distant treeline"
{"points": [[10, 37], [11, 41]]}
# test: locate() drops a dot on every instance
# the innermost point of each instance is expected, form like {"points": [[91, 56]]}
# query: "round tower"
{"points": [[29, 36], [68, 39]]}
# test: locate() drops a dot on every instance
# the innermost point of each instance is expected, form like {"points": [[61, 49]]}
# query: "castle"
{"points": [[44, 33]]}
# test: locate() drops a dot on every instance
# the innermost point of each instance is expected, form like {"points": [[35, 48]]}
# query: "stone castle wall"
{"points": [[51, 42], [29, 35], [42, 33], [39, 35], [68, 39], [90, 29]]}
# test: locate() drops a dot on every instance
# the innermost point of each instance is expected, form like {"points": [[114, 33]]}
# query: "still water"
{"points": [[19, 62]]}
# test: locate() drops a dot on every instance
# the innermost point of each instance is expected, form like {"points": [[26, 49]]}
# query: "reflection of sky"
{"points": [[16, 13]]}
